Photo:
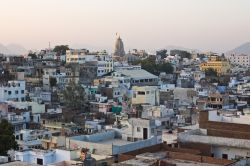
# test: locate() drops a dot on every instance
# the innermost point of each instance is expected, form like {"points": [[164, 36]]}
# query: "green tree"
{"points": [[165, 67], [7, 138], [74, 96], [210, 72], [211, 75], [150, 66], [61, 49], [181, 53], [32, 55], [162, 53], [52, 81]]}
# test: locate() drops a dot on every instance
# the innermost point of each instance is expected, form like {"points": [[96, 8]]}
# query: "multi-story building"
{"points": [[13, 90], [77, 56], [220, 134], [217, 100], [104, 62], [19, 122], [141, 129], [139, 77], [219, 64], [240, 59], [31, 138], [145, 95], [104, 65]]}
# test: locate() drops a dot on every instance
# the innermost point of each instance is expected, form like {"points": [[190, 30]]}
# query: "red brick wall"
{"points": [[205, 149], [227, 126], [203, 119], [223, 129], [163, 163], [212, 160], [228, 133], [162, 147], [198, 158], [124, 157], [184, 156]]}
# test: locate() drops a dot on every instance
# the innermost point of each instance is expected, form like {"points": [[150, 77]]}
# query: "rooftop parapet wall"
{"points": [[134, 145], [95, 137], [194, 137]]}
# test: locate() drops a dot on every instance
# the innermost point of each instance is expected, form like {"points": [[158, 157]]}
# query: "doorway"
{"points": [[145, 133]]}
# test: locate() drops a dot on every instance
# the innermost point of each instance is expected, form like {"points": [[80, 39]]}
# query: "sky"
{"points": [[208, 25]]}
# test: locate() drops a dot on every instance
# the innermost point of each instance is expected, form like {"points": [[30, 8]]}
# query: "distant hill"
{"points": [[242, 49], [16, 49], [3, 49], [12, 49]]}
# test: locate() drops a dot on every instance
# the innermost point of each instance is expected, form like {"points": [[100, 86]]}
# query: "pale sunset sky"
{"points": [[216, 25]]}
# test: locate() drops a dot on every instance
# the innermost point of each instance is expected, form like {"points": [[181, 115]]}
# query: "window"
{"points": [[22, 91], [135, 139], [152, 131], [147, 92], [39, 161], [16, 91], [224, 156], [141, 93], [9, 92], [138, 129]]}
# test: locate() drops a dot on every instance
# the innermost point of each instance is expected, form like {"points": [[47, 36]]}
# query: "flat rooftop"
{"points": [[18, 163], [178, 162]]}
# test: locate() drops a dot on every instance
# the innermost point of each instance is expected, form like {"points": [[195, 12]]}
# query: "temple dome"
{"points": [[119, 48]]}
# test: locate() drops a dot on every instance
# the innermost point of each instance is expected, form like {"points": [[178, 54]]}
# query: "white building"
{"points": [[140, 129], [77, 56], [13, 90], [104, 65], [139, 77], [18, 122], [31, 138], [36, 156], [226, 133], [81, 56], [240, 59]]}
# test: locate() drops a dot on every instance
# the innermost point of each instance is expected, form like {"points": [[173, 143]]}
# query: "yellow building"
{"points": [[145, 95], [219, 64]]}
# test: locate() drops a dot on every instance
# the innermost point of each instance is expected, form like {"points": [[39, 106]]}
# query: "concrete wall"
{"points": [[150, 96], [232, 153], [98, 148], [241, 119], [186, 137], [32, 156], [95, 137], [134, 146], [62, 155], [35, 107]]}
